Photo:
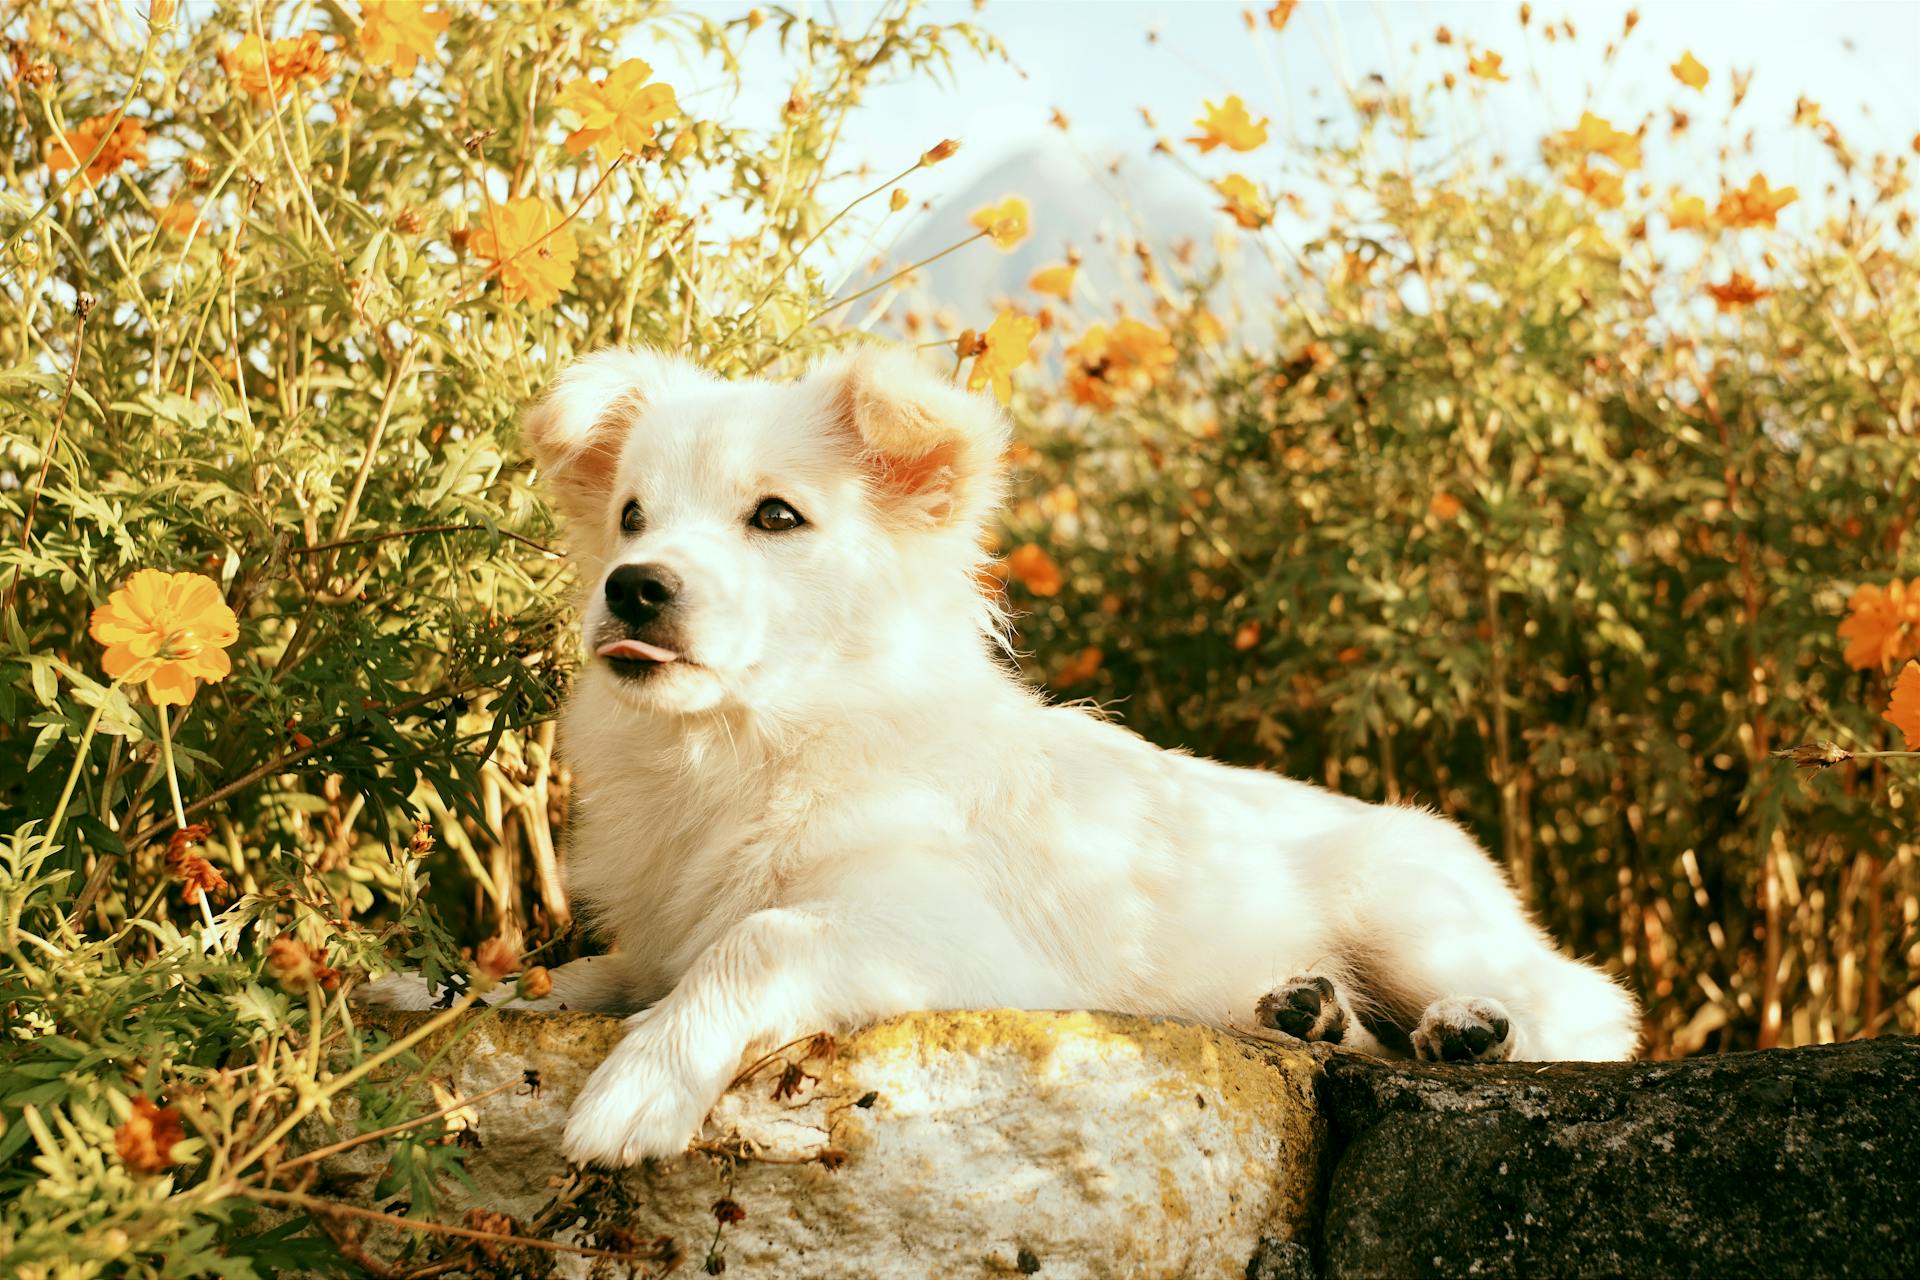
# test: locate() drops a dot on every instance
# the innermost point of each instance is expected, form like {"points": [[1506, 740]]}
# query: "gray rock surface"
{"points": [[1802, 1162]]}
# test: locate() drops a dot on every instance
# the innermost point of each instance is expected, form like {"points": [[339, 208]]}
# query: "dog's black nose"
{"points": [[637, 593]]}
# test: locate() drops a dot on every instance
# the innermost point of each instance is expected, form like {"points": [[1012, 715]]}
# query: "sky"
{"points": [[1099, 61]]}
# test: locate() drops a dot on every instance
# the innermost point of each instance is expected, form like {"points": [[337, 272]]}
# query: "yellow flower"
{"points": [[1130, 357], [1486, 66], [398, 33], [1244, 202], [1007, 222], [1008, 344], [1278, 16], [168, 629], [1601, 186], [533, 264], [284, 62], [623, 109], [1903, 712], [1689, 72], [1056, 280], [1737, 291], [1757, 206], [1688, 213], [128, 141], [1227, 124], [1595, 136]]}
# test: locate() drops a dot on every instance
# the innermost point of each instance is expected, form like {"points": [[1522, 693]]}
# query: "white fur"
{"points": [[852, 807]]}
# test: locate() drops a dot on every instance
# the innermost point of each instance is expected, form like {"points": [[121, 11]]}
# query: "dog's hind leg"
{"points": [[1445, 944], [1315, 1007]]}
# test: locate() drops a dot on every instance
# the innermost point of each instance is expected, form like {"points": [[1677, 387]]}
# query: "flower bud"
{"points": [[940, 151]]}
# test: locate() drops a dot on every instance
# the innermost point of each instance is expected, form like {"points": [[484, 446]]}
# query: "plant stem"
{"points": [[166, 763]]}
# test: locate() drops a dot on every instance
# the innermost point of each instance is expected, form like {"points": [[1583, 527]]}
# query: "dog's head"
{"points": [[769, 545]]}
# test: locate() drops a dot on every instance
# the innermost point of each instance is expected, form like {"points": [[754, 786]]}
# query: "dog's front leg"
{"points": [[773, 977]]}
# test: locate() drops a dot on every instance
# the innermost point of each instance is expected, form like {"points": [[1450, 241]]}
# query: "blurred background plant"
{"points": [[1521, 488]]}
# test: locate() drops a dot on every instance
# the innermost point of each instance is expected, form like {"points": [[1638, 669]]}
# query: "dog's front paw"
{"points": [[632, 1108], [404, 991], [1306, 1009], [1477, 1030]]}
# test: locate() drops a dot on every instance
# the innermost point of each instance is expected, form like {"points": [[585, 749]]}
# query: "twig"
{"points": [[338, 543], [315, 1204], [345, 1144]]}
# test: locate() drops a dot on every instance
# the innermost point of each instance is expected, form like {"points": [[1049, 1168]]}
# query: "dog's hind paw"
{"points": [[1477, 1030], [1306, 1009]]}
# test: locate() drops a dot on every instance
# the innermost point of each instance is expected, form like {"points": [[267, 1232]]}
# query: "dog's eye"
{"points": [[631, 521], [775, 516]]}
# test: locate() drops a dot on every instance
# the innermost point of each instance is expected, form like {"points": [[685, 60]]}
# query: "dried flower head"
{"points": [[145, 1139]]}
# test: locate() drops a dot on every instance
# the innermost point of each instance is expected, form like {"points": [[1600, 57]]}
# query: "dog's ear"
{"points": [[930, 450], [578, 429]]}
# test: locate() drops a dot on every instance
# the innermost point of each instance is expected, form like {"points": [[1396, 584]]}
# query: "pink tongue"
{"points": [[638, 650]]}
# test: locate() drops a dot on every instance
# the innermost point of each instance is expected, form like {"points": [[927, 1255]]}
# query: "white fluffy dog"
{"points": [[811, 793]]}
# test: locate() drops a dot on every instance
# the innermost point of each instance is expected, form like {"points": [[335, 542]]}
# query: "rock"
{"points": [[1091, 1145], [1787, 1163], [950, 1144]]}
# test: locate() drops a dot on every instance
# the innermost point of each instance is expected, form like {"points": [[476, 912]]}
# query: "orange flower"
{"points": [[1007, 223], [1282, 11], [1602, 186], [533, 253], [272, 70], [1007, 344], [398, 33], [1486, 66], [1883, 625], [146, 1139], [1739, 290], [1082, 666], [128, 141], [1035, 570], [1130, 357], [1247, 636], [1757, 206], [495, 958], [1227, 124], [1903, 712], [1244, 202], [623, 109], [1689, 72], [1595, 136], [1056, 280], [298, 967], [1445, 506], [1688, 213], [168, 629], [177, 218]]}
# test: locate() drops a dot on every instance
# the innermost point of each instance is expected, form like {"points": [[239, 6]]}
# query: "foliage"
{"points": [[1537, 509], [276, 283]]}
